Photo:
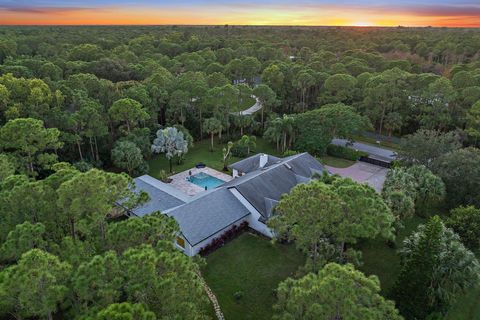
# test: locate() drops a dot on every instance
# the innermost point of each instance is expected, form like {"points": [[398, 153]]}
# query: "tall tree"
{"points": [[171, 142], [460, 172], [87, 198], [336, 292], [125, 310], [23, 238], [384, 93], [266, 96], [127, 155], [97, 283], [425, 146], [318, 127], [35, 286], [129, 111], [338, 88], [29, 140], [212, 126], [465, 221], [436, 269], [167, 282], [323, 218], [473, 122]]}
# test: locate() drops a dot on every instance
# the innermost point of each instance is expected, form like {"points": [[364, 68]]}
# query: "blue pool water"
{"points": [[205, 180]]}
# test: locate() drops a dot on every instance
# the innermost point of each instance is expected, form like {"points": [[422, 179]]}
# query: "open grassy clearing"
{"points": [[201, 153], [383, 144], [252, 267], [382, 260], [335, 162]]}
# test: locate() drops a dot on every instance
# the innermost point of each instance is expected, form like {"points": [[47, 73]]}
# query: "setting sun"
{"points": [[219, 12]]}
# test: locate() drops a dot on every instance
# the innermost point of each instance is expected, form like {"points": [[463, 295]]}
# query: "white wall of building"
{"points": [[253, 221]]}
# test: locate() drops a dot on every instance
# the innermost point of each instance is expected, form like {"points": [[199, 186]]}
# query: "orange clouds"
{"points": [[240, 15]]}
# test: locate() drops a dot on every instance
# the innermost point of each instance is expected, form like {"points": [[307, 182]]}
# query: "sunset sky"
{"points": [[461, 13]]}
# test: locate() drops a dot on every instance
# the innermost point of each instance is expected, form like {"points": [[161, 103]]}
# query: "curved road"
{"points": [[257, 106]]}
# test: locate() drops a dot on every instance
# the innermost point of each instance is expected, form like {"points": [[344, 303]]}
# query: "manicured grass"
{"points": [[466, 308], [382, 260], [335, 162], [201, 153], [253, 266]]}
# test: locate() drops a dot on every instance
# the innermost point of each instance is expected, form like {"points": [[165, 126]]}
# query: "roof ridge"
{"points": [[260, 171]]}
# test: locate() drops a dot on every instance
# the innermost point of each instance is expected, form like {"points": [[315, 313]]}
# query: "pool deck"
{"points": [[180, 182]]}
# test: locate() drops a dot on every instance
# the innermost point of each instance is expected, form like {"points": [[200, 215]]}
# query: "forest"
{"points": [[80, 108]]}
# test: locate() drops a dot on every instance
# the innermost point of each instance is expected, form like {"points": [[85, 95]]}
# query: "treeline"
{"points": [[76, 100]]}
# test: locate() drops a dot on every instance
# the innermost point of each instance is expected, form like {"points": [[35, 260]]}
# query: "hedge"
{"points": [[345, 152]]}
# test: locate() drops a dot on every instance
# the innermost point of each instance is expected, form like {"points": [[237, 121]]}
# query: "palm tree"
{"points": [[250, 142], [243, 121], [393, 121], [212, 126], [274, 132]]}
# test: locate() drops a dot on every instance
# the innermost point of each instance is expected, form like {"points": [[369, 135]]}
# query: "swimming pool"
{"points": [[205, 180]]}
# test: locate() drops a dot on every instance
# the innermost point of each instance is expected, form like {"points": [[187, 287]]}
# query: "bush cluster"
{"points": [[344, 152], [230, 234]]}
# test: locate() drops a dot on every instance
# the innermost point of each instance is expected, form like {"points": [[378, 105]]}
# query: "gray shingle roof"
{"points": [[253, 163], [374, 152], [208, 214], [162, 196], [274, 181], [204, 215]]}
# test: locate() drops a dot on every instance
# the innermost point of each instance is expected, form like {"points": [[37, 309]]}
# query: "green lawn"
{"points": [[382, 260], [384, 144], [254, 266], [466, 308], [335, 162], [201, 153]]}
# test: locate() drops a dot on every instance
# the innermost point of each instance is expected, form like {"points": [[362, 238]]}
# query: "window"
{"points": [[181, 242]]}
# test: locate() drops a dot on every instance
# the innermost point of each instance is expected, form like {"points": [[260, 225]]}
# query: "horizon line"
{"points": [[237, 25]]}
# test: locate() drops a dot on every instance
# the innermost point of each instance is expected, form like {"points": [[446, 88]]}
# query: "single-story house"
{"points": [[376, 155], [259, 182]]}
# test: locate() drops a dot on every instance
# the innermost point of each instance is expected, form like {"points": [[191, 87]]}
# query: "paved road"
{"points": [[364, 173], [376, 152], [257, 106]]}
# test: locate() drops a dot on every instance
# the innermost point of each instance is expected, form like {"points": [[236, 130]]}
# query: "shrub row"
{"points": [[345, 152], [228, 235]]}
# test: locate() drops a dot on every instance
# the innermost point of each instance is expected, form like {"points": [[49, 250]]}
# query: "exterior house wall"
{"points": [[254, 216], [193, 250], [187, 249]]}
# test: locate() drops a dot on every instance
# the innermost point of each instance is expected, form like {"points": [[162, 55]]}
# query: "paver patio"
{"points": [[180, 182]]}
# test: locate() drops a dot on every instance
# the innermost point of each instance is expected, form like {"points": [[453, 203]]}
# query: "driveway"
{"points": [[363, 172]]}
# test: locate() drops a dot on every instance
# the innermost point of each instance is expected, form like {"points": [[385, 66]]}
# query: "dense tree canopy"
{"points": [[336, 292], [77, 101], [323, 218], [436, 268]]}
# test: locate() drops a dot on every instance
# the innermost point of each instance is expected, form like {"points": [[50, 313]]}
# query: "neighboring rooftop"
{"points": [[374, 152]]}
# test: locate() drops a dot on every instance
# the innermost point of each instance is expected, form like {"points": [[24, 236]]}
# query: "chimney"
{"points": [[263, 160]]}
